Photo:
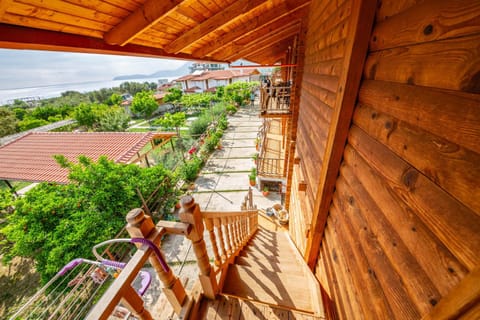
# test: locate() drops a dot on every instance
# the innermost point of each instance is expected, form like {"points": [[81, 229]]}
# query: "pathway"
{"points": [[223, 182]]}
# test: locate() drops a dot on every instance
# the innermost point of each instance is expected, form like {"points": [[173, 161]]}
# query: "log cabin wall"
{"points": [[403, 230], [322, 68]]}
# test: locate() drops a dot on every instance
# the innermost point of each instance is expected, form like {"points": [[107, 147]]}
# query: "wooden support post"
{"points": [[141, 226], [363, 16], [190, 213], [134, 303]]}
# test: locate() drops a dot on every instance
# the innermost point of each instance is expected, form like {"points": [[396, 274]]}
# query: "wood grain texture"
{"points": [[456, 226], [453, 116], [452, 167], [427, 64], [430, 20], [391, 281], [374, 302], [462, 300], [359, 31]]}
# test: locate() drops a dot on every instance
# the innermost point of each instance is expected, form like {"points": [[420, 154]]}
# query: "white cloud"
{"points": [[26, 68]]}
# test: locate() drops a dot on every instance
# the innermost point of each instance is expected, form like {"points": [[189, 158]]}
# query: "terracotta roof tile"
{"points": [[30, 157]]}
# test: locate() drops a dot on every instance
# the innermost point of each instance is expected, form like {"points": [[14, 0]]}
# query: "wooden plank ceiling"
{"points": [[209, 30]]}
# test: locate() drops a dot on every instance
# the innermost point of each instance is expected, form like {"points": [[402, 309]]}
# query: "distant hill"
{"points": [[183, 70]]}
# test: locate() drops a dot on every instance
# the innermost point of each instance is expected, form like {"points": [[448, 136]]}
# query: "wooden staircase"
{"points": [[268, 280]]}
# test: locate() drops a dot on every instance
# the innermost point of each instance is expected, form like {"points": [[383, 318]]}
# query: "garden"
{"points": [[53, 223]]}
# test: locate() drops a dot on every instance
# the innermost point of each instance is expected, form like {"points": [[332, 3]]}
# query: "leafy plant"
{"points": [[189, 170], [55, 223], [144, 104]]}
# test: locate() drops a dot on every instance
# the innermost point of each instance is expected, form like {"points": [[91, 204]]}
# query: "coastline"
{"points": [[55, 90]]}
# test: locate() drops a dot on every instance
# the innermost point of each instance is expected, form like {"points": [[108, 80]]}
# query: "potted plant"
{"points": [[257, 143], [255, 158], [252, 177], [265, 191]]}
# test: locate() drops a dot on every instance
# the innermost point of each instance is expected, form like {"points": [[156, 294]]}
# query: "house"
{"points": [[202, 81], [381, 149]]}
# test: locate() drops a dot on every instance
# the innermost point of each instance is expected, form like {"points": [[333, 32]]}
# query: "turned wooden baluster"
{"points": [[218, 225], [141, 226], [227, 236], [231, 222], [190, 213], [213, 240]]}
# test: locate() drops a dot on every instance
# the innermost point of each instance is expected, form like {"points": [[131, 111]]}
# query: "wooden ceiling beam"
{"points": [[253, 43], [226, 16], [3, 6], [139, 20], [285, 12], [16, 37], [271, 55], [267, 41]]}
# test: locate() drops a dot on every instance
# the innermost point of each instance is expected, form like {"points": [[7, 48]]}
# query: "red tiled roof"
{"points": [[220, 74], [30, 157]]}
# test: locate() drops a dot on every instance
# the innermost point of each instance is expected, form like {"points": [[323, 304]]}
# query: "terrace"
{"points": [[381, 148]]}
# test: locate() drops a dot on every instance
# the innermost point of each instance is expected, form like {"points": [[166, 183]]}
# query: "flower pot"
{"points": [[265, 193], [252, 182]]}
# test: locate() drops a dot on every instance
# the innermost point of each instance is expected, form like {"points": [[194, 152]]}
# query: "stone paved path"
{"points": [[221, 186]]}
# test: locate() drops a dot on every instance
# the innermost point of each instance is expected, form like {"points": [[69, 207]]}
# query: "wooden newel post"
{"points": [[190, 213], [141, 226]]}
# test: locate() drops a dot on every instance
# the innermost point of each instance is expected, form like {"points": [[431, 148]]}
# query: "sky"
{"points": [[28, 68]]}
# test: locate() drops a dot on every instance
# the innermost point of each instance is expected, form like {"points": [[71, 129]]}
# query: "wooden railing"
{"points": [[275, 100], [270, 167], [228, 233]]}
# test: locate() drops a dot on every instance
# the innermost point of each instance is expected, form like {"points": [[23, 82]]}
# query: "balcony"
{"points": [[275, 101], [271, 159]]}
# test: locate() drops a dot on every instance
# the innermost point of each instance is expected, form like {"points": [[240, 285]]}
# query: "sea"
{"points": [[50, 91]]}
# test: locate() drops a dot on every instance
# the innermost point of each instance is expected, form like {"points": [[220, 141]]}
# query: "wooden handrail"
{"points": [[229, 231], [141, 226], [121, 287], [269, 167], [275, 99]]}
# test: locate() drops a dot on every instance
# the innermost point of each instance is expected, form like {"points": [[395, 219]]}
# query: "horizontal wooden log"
{"points": [[330, 30], [448, 64], [460, 301], [430, 270], [343, 273], [452, 167], [339, 275], [333, 283], [388, 9], [430, 20], [455, 225], [451, 115], [374, 303], [391, 281]]}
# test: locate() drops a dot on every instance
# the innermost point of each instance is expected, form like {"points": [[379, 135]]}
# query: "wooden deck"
{"points": [[272, 156]]}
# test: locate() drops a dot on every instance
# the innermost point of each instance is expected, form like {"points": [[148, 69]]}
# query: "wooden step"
{"points": [[227, 307], [283, 266], [284, 290], [285, 257]]}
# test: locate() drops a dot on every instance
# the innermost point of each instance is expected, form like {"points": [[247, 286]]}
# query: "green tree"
{"points": [[114, 100], [144, 104], [54, 224], [85, 115], [173, 96], [172, 121], [8, 122], [115, 119], [29, 123]]}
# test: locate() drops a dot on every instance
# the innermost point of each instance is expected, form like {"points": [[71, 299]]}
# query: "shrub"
{"points": [[189, 170], [199, 125]]}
